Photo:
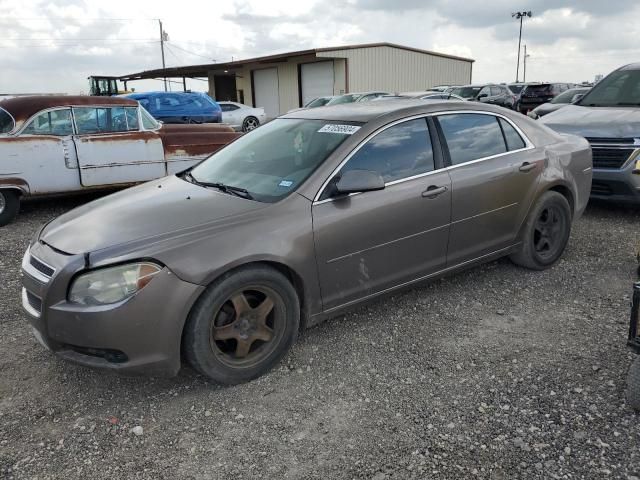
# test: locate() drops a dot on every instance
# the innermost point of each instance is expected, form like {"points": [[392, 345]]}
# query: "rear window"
{"points": [[541, 89], [6, 122]]}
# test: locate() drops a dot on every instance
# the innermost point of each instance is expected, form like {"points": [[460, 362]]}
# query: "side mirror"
{"points": [[482, 95], [577, 97], [353, 181]]}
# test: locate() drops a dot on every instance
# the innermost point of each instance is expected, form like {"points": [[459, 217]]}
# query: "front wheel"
{"points": [[250, 123], [243, 325], [546, 232], [9, 206]]}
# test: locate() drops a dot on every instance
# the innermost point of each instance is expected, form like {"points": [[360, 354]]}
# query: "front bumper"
{"points": [[140, 335], [634, 322], [617, 185]]}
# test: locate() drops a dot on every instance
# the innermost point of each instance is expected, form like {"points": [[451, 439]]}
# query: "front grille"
{"points": [[603, 189], [34, 302], [610, 157], [46, 270]]}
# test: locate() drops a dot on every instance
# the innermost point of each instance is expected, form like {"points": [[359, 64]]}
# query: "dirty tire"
{"points": [[250, 123], [633, 385], [9, 206], [546, 232], [233, 307]]}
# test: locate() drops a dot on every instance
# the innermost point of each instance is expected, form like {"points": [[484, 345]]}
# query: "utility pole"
{"points": [[524, 73], [163, 38], [520, 16]]}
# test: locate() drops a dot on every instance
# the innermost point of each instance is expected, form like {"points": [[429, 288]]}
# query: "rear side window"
{"points": [[471, 136], [54, 122], [511, 136], [400, 151], [6, 122]]}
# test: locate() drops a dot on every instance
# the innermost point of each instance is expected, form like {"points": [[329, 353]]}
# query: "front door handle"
{"points": [[527, 167], [433, 191]]}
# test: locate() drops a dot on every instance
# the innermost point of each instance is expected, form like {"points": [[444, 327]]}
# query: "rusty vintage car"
{"points": [[57, 144]]}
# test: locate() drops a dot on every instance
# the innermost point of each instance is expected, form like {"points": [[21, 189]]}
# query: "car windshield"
{"points": [[516, 88], [318, 102], [466, 92], [6, 122], [343, 99], [619, 89], [273, 160], [566, 97]]}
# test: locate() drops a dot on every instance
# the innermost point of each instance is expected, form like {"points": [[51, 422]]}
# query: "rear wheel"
{"points": [[242, 325], [9, 206], [250, 123], [546, 232]]}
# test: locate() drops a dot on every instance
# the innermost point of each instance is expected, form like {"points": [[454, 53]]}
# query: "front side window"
{"points": [[91, 120], [495, 91], [54, 122], [485, 91], [471, 136], [132, 118], [6, 122], [272, 161], [228, 107], [400, 151]]}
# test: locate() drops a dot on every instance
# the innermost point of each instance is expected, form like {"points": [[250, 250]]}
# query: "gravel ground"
{"points": [[497, 373]]}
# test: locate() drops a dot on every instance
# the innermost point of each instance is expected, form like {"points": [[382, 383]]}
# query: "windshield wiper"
{"points": [[240, 192]]}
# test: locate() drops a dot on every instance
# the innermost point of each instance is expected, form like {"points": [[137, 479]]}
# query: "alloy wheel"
{"points": [[548, 231], [246, 328], [250, 124]]}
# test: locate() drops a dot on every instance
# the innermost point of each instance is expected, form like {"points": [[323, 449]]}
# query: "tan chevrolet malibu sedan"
{"points": [[311, 214]]}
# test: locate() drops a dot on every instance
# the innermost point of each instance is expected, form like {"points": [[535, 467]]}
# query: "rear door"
{"points": [[369, 242], [112, 149], [494, 172]]}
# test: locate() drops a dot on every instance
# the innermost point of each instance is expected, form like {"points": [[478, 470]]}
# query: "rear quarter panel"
{"points": [[570, 164]]}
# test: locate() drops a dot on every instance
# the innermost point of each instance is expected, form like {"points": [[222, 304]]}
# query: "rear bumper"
{"points": [[140, 335], [616, 185]]}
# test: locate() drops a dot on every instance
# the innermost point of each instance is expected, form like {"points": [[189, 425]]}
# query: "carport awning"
{"points": [[193, 71]]}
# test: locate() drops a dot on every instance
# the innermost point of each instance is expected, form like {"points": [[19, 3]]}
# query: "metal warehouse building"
{"points": [[281, 82]]}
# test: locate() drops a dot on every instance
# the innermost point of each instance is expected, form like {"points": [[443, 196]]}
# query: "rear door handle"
{"points": [[433, 191], [527, 167]]}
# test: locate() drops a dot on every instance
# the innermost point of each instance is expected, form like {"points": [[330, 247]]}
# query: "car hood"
{"points": [[598, 122], [547, 108], [146, 212]]}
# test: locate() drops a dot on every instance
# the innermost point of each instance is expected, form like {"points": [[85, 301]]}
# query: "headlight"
{"points": [[112, 285]]}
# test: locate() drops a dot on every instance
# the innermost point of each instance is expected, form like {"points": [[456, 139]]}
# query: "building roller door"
{"points": [[316, 80], [265, 91]]}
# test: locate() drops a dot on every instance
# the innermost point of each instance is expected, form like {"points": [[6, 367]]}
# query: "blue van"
{"points": [[179, 107]]}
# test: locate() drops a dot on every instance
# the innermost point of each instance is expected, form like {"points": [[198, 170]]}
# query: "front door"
{"points": [[494, 175], [113, 150], [369, 242]]}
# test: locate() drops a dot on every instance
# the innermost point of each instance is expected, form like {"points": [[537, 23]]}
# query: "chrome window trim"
{"points": [[528, 146]]}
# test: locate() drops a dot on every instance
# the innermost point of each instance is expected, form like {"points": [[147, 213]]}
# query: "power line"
{"points": [[192, 53]]}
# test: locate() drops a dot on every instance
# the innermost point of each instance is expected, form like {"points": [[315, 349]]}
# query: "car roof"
{"points": [[366, 111], [158, 94], [23, 107]]}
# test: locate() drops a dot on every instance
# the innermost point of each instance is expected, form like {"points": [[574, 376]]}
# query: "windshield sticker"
{"points": [[343, 129], [285, 183]]}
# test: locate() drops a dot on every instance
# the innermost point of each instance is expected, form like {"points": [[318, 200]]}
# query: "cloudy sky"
{"points": [[52, 46]]}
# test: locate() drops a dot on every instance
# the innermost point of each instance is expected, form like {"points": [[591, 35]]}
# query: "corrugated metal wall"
{"points": [[398, 70]]}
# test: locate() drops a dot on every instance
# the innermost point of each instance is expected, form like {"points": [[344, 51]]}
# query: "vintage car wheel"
{"points": [[250, 123], [242, 325], [9, 206], [546, 232], [633, 385]]}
